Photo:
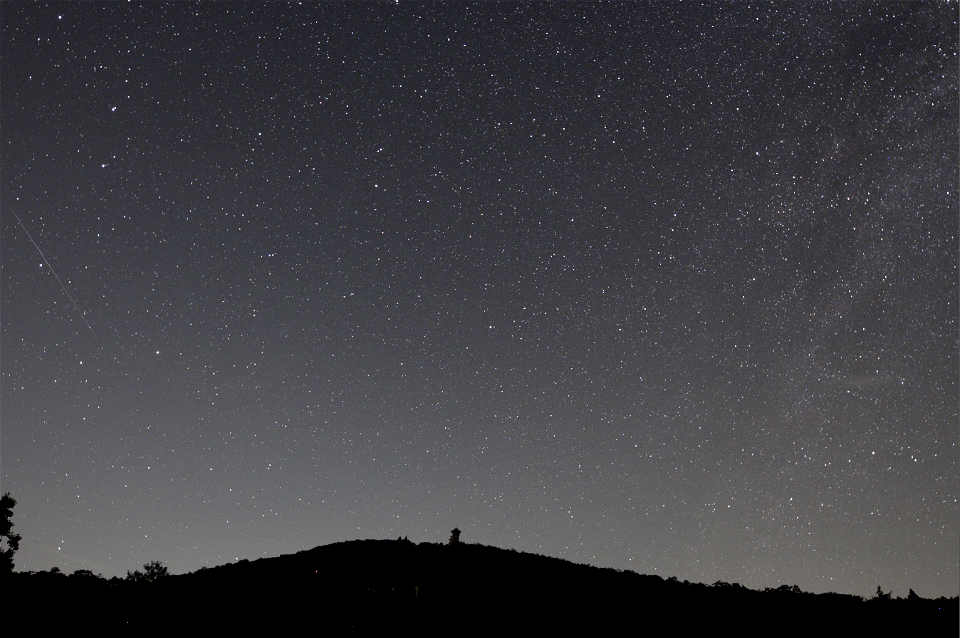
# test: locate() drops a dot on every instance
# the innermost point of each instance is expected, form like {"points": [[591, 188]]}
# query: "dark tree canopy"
{"points": [[152, 572], [9, 542]]}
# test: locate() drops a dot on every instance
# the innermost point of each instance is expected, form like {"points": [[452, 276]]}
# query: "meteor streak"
{"points": [[47, 262]]}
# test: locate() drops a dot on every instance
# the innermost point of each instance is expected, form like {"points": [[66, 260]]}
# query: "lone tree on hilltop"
{"points": [[9, 542]]}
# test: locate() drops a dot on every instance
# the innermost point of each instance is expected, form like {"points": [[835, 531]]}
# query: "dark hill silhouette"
{"points": [[462, 589]]}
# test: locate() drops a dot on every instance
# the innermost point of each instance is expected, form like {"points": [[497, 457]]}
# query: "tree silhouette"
{"points": [[152, 572], [9, 542]]}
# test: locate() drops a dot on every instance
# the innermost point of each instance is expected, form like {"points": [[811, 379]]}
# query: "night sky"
{"points": [[655, 286]]}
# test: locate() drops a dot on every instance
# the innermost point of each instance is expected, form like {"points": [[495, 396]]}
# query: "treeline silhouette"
{"points": [[459, 589]]}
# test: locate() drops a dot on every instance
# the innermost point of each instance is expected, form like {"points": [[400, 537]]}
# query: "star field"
{"points": [[656, 286]]}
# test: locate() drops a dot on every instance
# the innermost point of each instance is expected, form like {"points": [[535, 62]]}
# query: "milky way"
{"points": [[655, 286]]}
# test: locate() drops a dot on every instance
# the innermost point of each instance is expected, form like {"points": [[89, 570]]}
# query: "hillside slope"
{"points": [[373, 585]]}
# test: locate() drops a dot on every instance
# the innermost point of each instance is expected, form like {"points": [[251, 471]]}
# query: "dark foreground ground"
{"points": [[385, 586]]}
